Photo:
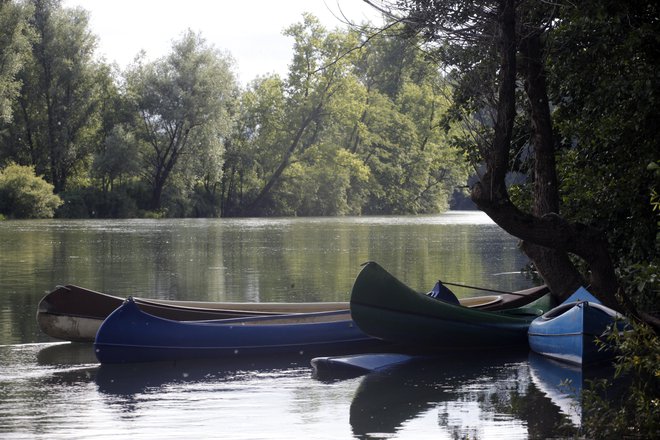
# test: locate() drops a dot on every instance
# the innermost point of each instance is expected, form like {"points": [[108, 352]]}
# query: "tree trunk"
{"points": [[156, 195], [253, 208], [556, 268], [547, 237]]}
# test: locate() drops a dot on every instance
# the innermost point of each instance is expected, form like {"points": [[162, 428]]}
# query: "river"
{"points": [[51, 389]]}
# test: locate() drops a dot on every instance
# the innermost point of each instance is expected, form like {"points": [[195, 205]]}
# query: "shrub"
{"points": [[635, 413], [23, 194], [91, 202]]}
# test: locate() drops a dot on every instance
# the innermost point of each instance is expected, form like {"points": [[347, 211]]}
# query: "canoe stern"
{"points": [[575, 332]]}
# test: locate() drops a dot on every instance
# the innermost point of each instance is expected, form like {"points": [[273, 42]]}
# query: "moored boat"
{"points": [[385, 308], [74, 313], [569, 332], [130, 334]]}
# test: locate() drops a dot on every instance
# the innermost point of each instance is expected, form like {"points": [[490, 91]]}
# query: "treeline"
{"points": [[354, 128]]}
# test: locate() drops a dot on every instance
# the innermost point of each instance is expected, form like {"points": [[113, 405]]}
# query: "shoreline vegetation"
{"points": [[346, 132]]}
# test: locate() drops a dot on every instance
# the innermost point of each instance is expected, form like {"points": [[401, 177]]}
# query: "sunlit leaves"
{"points": [[347, 132]]}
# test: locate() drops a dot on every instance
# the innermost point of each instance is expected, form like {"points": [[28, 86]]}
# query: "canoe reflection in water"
{"points": [[471, 394], [563, 383], [492, 394], [67, 353], [133, 379], [78, 360]]}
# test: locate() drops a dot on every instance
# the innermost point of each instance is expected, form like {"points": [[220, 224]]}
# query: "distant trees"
{"points": [[354, 128], [401, 133], [340, 136], [291, 128], [14, 50], [184, 105], [56, 117]]}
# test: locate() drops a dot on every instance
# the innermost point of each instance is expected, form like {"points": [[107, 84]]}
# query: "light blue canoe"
{"points": [[569, 331]]}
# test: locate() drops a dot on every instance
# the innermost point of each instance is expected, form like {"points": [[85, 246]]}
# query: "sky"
{"points": [[249, 30]]}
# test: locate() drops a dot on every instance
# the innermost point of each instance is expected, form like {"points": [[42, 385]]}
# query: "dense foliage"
{"points": [[564, 94], [345, 132], [607, 122]]}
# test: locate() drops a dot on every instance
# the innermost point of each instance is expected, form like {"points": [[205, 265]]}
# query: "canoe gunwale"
{"points": [[281, 319], [565, 307]]}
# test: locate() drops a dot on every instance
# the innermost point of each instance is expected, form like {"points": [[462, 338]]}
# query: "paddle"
{"points": [[482, 288]]}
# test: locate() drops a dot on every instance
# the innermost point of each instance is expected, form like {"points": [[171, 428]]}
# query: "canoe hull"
{"points": [[131, 335], [122, 354], [428, 331], [570, 331], [580, 349], [384, 307], [75, 314], [69, 328]]}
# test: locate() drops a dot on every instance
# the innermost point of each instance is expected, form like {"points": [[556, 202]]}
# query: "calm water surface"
{"points": [[50, 389]]}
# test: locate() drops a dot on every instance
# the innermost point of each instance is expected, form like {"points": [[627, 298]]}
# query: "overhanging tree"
{"points": [[496, 53]]}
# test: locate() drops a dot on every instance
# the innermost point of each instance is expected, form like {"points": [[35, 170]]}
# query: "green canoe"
{"points": [[385, 308]]}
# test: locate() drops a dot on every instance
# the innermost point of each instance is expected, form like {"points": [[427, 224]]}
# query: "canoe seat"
{"points": [[480, 301]]}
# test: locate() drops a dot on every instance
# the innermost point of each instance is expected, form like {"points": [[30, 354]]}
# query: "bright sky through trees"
{"points": [[250, 30]]}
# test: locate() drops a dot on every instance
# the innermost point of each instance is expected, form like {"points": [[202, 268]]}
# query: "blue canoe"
{"points": [[131, 335], [569, 331]]}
